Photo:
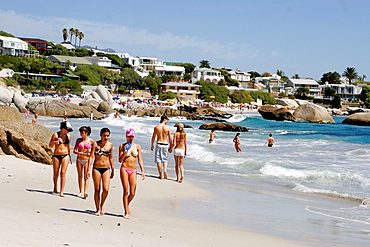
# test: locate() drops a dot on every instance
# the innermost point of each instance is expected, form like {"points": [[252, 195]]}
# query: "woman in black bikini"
{"points": [[61, 141], [103, 169]]}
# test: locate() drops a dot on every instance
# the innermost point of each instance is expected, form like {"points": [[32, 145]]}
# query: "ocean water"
{"points": [[324, 169]]}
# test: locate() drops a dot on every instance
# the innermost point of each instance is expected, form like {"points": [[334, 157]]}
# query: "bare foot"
{"points": [[85, 196], [160, 176], [165, 175], [126, 216], [62, 195], [181, 179], [97, 213]]}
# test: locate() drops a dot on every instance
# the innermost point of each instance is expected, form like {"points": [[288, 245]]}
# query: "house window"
{"points": [[172, 87]]}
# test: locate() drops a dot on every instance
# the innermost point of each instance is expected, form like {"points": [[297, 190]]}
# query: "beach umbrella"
{"points": [[115, 98], [212, 97], [183, 102]]}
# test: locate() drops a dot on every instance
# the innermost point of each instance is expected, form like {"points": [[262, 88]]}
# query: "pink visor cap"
{"points": [[130, 132]]}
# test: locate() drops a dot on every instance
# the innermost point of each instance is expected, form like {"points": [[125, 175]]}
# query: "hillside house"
{"points": [[205, 74]]}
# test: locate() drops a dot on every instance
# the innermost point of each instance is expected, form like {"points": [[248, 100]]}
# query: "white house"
{"points": [[68, 46], [149, 63], [189, 90], [345, 91], [206, 74], [101, 61], [169, 70], [13, 46], [242, 77], [271, 84], [291, 85], [73, 61]]}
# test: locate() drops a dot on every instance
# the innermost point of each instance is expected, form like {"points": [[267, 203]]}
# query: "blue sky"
{"points": [[305, 37]]}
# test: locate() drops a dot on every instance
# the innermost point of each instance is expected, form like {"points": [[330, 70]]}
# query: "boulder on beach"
{"points": [[313, 114], [91, 103], [104, 95], [270, 112], [56, 107], [19, 100], [287, 102], [362, 119], [223, 126], [21, 139], [6, 96]]}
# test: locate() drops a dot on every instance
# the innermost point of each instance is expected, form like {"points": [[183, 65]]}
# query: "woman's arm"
{"points": [[53, 140], [140, 161], [75, 149], [111, 161]]}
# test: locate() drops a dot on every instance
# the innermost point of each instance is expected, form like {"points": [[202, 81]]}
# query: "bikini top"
{"points": [[131, 149], [102, 152], [60, 139], [86, 146]]}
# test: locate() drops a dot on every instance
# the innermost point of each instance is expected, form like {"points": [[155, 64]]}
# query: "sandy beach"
{"points": [[33, 216]]}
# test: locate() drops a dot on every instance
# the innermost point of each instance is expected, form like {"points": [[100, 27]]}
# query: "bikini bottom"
{"points": [[83, 162], [129, 171], [101, 170], [60, 157]]}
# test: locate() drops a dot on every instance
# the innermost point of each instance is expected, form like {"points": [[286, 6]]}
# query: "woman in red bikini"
{"points": [[128, 154], [102, 169], [61, 141], [83, 150]]}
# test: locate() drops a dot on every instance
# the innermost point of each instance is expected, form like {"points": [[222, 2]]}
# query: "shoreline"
{"points": [[159, 214]]}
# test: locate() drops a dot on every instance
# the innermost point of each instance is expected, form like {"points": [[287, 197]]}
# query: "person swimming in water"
{"points": [[128, 154], [212, 136], [270, 141], [237, 143]]}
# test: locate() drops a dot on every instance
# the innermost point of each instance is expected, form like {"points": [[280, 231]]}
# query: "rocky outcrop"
{"points": [[56, 107], [223, 126], [19, 100], [6, 96], [313, 114], [270, 112], [104, 95], [91, 103], [21, 139], [362, 119], [287, 102]]}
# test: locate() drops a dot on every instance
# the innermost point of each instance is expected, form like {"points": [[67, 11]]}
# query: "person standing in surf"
{"points": [[237, 143], [270, 141]]}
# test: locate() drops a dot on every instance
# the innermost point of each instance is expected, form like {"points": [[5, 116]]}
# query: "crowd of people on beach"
{"points": [[95, 159]]}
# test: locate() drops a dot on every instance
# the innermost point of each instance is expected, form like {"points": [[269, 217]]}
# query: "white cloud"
{"points": [[121, 37]]}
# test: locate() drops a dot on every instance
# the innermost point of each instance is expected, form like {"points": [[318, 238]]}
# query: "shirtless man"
{"points": [[212, 136], [162, 136], [270, 141]]}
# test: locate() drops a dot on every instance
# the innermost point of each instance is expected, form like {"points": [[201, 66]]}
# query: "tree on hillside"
{"points": [[331, 78], [302, 91], [115, 58], [266, 74], [71, 33], [5, 34], [209, 89], [228, 80], [65, 34], [241, 96], [189, 67], [296, 76], [365, 96], [264, 96], [131, 79], [168, 95], [254, 74], [351, 74], [77, 34], [204, 64], [81, 36], [280, 72]]}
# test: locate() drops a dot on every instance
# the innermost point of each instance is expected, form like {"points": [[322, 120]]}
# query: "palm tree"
{"points": [[65, 34], [77, 34], [204, 64], [81, 36], [71, 32], [350, 73]]}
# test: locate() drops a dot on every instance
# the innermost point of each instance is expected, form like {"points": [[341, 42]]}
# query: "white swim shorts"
{"points": [[179, 152]]}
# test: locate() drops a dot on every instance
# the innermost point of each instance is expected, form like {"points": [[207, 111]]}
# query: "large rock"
{"points": [[91, 102], [362, 119], [23, 140], [270, 112], [6, 96], [94, 96], [56, 107], [313, 114], [20, 101], [223, 127], [104, 107], [104, 95], [287, 102]]}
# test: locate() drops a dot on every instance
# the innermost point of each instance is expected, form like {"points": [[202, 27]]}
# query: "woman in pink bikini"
{"points": [[83, 150], [128, 154]]}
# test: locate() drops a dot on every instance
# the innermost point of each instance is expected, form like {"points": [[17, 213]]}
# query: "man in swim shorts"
{"points": [[163, 139], [212, 136], [270, 141]]}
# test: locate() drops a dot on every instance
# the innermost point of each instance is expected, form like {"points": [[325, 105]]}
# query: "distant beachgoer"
{"points": [[91, 116], [270, 141], [237, 142], [26, 113], [65, 119], [83, 150], [179, 140], [116, 115], [162, 136], [61, 141], [35, 117], [212, 136], [102, 169], [128, 154]]}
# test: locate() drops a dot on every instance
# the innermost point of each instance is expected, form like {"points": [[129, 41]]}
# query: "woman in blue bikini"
{"points": [[61, 141], [102, 170], [83, 150], [128, 154]]}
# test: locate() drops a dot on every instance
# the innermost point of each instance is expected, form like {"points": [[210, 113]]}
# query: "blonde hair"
{"points": [[180, 128]]}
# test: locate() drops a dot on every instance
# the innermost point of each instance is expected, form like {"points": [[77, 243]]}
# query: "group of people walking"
{"points": [[95, 159]]}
